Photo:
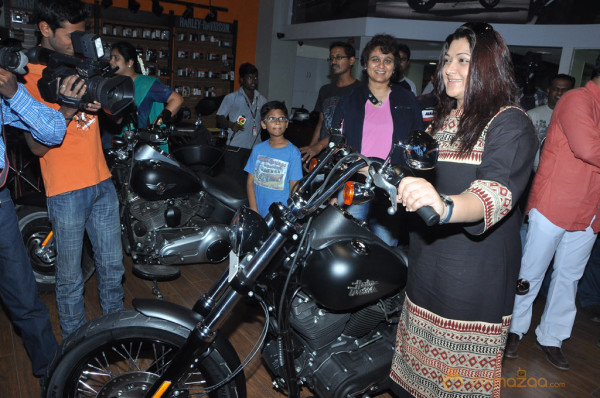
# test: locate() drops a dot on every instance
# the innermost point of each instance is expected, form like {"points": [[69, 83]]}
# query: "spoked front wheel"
{"points": [[123, 354], [35, 228]]}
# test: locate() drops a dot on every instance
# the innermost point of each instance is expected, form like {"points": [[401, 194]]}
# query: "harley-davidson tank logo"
{"points": [[160, 187], [361, 288]]}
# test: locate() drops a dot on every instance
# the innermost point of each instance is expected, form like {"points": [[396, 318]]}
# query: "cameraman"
{"points": [[80, 194], [17, 283]]}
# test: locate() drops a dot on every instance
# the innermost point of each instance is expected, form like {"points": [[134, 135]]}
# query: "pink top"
{"points": [[378, 129]]}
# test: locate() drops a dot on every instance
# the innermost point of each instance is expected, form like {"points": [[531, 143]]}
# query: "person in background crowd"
{"points": [[155, 102], [376, 115], [341, 58], [80, 194], [588, 292], [564, 218], [274, 166], [463, 272], [541, 115], [404, 58], [18, 289], [239, 114]]}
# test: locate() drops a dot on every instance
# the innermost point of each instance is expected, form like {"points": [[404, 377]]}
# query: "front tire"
{"points": [[421, 5], [35, 227], [127, 351]]}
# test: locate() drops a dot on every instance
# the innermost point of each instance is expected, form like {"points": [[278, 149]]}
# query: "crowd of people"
{"points": [[461, 295]]}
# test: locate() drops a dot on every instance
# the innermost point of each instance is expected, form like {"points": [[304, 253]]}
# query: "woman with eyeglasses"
{"points": [[375, 115], [463, 272]]}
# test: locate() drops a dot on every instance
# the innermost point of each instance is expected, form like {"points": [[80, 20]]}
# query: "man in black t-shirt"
{"points": [[341, 58]]}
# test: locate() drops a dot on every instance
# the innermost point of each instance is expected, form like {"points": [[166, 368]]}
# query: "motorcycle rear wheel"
{"points": [[35, 226], [489, 3], [421, 5], [123, 353]]}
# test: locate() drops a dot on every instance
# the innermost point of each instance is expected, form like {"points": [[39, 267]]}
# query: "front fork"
{"points": [[215, 306]]}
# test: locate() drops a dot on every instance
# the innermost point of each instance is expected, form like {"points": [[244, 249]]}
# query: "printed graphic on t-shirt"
{"points": [[84, 120], [329, 106], [541, 126], [270, 173]]}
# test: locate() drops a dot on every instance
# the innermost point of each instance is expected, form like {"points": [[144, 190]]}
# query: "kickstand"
{"points": [[156, 290]]}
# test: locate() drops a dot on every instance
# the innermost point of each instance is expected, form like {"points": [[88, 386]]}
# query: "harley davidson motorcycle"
{"points": [[331, 292], [426, 5], [174, 209]]}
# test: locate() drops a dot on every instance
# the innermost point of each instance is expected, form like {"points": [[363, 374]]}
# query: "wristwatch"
{"points": [[449, 207]]}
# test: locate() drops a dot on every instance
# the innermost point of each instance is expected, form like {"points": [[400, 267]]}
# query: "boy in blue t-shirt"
{"points": [[274, 166]]}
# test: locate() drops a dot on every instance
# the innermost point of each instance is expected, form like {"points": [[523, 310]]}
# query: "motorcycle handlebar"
{"points": [[428, 215], [385, 177]]}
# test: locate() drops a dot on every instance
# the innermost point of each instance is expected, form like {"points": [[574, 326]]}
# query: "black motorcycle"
{"points": [[426, 5], [330, 289], [174, 209]]}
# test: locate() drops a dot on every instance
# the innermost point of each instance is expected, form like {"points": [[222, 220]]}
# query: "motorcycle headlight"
{"points": [[246, 231]]}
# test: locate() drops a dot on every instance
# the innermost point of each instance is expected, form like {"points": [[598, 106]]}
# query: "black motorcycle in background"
{"points": [[174, 209], [330, 289], [426, 5]]}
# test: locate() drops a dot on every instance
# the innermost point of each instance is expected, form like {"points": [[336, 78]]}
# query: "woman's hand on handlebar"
{"points": [[414, 193]]}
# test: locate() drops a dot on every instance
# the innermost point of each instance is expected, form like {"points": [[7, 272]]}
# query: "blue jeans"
{"points": [[19, 291], [379, 225], [93, 209]]}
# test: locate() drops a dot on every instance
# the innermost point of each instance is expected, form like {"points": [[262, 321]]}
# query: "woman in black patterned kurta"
{"points": [[463, 273]]}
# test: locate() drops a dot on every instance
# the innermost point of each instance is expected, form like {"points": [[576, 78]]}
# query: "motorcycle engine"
{"points": [[340, 354], [160, 213]]}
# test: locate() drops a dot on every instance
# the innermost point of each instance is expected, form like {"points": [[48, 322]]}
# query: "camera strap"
{"points": [[70, 102]]}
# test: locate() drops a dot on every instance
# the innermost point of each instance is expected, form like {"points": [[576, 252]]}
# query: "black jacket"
{"points": [[406, 116]]}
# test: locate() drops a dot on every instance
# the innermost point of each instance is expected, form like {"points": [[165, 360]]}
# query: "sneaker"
{"points": [[555, 356], [512, 346]]}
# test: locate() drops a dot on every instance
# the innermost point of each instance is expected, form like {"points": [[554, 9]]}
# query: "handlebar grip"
{"points": [[428, 215]]}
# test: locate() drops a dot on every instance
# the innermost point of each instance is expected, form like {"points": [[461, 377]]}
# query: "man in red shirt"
{"points": [[564, 218]]}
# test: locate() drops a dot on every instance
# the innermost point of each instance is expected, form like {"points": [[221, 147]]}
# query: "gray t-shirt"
{"points": [[237, 105], [329, 97], [540, 117]]}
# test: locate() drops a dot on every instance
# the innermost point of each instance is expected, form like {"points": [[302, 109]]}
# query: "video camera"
{"points": [[114, 93]]}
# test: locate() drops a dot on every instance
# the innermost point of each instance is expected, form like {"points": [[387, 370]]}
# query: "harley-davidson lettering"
{"points": [[160, 187], [360, 288]]}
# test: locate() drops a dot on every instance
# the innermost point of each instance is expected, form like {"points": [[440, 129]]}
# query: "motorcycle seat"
{"points": [[226, 189]]}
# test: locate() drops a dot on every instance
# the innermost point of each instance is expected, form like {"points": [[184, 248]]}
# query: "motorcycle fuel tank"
{"points": [[351, 267], [156, 180]]}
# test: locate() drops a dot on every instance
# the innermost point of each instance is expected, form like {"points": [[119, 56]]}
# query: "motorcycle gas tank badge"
{"points": [[362, 288], [160, 187], [359, 247]]}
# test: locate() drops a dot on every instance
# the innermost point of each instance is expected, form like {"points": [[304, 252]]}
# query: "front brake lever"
{"points": [[380, 181]]}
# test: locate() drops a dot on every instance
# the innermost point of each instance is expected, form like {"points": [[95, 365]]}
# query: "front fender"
{"points": [[171, 312]]}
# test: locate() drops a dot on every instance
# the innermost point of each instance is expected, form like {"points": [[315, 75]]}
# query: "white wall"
{"points": [[274, 16]]}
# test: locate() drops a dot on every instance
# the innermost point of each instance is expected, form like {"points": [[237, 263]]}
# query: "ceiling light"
{"points": [[157, 9], [188, 13], [133, 5], [211, 16]]}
